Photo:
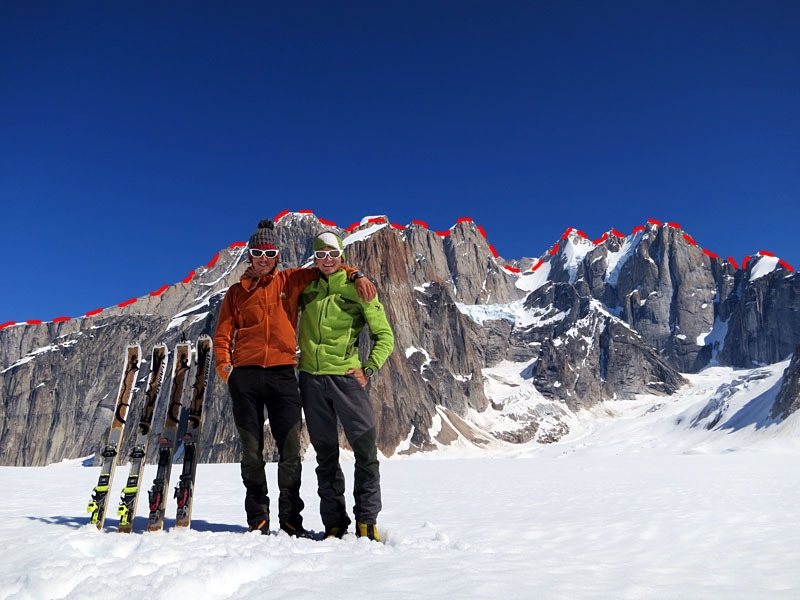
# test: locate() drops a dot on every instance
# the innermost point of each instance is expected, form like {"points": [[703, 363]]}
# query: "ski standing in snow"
{"points": [[97, 506], [184, 491], [130, 494], [169, 434]]}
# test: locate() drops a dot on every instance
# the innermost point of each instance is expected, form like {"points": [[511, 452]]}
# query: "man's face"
{"points": [[327, 263], [262, 264]]}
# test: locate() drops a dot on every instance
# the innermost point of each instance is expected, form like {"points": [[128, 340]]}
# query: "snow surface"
{"points": [[530, 281], [764, 265], [689, 496], [43, 350], [715, 337], [617, 260], [575, 250], [364, 234]]}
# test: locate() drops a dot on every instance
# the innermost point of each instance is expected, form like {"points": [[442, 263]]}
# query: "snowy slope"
{"points": [[643, 499]]}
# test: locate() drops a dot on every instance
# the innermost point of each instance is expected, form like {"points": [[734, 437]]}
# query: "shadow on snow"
{"points": [[139, 524]]}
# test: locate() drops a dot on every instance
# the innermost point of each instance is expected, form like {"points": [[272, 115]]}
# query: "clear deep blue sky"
{"points": [[138, 139]]}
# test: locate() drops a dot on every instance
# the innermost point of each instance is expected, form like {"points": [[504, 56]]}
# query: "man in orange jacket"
{"points": [[255, 345]]}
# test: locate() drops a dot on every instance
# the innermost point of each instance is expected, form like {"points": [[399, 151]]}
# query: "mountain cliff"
{"points": [[584, 323]]}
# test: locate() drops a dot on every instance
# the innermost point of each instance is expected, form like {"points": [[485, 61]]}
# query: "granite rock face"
{"points": [[590, 322], [687, 303], [788, 400]]}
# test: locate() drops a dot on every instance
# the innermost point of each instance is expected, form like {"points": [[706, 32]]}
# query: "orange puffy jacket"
{"points": [[257, 322]]}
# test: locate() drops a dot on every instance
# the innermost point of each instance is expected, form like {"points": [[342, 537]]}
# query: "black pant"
{"points": [[275, 388], [327, 398]]}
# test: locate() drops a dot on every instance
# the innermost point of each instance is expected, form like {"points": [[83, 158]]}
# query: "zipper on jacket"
{"points": [[323, 315], [267, 322], [319, 332]]}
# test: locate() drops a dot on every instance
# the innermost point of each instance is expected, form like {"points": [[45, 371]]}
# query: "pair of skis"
{"points": [[184, 492]]}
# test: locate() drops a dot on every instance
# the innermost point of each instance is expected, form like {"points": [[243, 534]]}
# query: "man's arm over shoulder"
{"points": [[300, 277], [365, 288]]}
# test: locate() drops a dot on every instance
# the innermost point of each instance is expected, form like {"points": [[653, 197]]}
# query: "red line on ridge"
{"points": [[538, 265], [306, 212]]}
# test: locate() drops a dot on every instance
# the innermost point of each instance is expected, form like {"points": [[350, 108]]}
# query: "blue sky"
{"points": [[528, 117]]}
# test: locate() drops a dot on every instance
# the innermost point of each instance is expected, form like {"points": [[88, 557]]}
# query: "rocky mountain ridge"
{"points": [[584, 323]]}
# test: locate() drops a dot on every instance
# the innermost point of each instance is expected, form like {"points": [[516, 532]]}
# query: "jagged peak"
{"points": [[763, 263], [578, 238], [572, 235]]}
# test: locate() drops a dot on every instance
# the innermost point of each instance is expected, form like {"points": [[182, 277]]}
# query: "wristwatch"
{"points": [[369, 371], [356, 275]]}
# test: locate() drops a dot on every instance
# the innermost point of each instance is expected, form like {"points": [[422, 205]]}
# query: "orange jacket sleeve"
{"points": [[223, 336]]}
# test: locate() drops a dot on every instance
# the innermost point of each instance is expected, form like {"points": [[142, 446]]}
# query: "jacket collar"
{"points": [[334, 275], [250, 283]]}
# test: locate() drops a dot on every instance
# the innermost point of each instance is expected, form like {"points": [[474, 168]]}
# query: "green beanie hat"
{"points": [[328, 239]]}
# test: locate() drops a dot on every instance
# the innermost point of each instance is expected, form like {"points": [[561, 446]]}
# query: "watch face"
{"points": [[369, 372]]}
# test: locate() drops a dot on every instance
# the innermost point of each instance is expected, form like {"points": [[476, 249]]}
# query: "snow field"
{"points": [[690, 496], [552, 525]]}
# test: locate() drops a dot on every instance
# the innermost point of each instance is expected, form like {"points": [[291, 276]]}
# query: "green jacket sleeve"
{"points": [[380, 332]]}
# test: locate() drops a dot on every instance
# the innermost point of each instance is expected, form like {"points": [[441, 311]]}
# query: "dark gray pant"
{"points": [[326, 397], [254, 389]]}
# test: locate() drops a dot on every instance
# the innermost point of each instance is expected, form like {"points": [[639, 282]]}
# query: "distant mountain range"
{"points": [[587, 322]]}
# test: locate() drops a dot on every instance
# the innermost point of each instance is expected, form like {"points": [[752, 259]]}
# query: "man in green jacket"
{"points": [[333, 382]]}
